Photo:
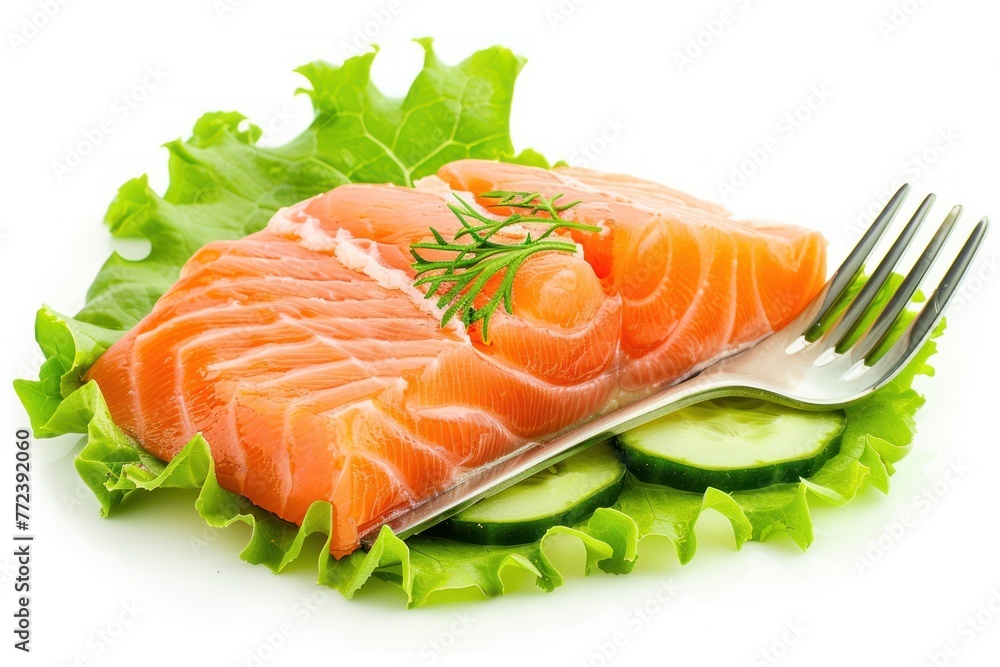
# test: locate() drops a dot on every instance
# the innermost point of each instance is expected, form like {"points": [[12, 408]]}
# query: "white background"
{"points": [[891, 91]]}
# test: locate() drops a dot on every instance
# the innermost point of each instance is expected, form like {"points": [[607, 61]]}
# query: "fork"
{"points": [[817, 362]]}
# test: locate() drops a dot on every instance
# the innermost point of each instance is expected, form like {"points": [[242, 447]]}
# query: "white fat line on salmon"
{"points": [[286, 221], [315, 238], [368, 262], [293, 221]]}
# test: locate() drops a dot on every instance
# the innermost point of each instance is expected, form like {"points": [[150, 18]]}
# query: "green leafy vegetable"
{"points": [[475, 264], [225, 186]]}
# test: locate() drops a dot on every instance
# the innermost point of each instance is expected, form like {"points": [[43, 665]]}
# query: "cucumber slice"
{"points": [[560, 495], [732, 444]]}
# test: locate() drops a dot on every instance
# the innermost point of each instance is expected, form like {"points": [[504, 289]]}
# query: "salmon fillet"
{"points": [[317, 371]]}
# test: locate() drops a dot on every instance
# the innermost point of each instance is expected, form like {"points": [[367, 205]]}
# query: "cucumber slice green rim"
{"points": [[561, 495], [732, 444]]}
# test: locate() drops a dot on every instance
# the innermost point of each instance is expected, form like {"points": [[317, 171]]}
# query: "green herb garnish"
{"points": [[476, 263]]}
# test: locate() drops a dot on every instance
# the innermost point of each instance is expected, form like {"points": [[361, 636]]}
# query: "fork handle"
{"points": [[537, 456]]}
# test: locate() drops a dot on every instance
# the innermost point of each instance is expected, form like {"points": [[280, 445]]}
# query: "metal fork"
{"points": [[818, 361]]}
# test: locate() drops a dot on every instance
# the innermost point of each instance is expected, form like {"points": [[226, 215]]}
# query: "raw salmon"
{"points": [[317, 371]]}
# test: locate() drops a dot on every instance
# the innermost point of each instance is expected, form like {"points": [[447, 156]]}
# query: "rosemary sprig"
{"points": [[478, 261]]}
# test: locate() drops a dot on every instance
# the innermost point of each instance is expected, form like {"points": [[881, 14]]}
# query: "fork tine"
{"points": [[901, 299], [844, 275], [842, 331], [919, 330]]}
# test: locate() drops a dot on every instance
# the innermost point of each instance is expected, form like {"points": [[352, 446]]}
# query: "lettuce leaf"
{"points": [[223, 185], [879, 432]]}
